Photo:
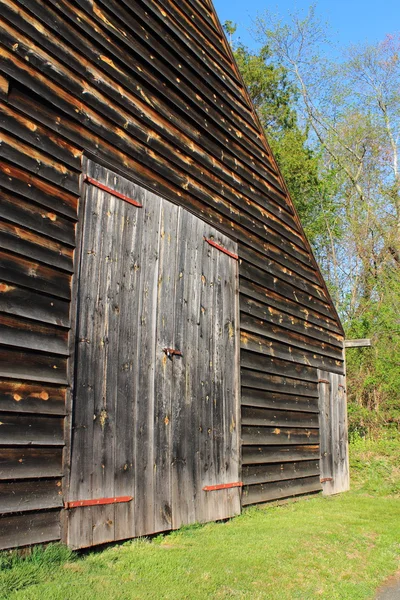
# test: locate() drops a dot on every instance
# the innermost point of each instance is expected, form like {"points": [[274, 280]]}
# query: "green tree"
{"points": [[275, 99]]}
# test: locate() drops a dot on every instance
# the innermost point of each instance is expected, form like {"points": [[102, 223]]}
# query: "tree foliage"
{"points": [[334, 126], [275, 98]]}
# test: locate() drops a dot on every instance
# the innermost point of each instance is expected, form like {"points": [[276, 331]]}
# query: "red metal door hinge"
{"points": [[222, 486], [171, 352], [97, 501], [221, 248], [109, 190]]}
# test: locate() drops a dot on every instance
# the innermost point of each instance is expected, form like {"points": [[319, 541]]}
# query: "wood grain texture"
{"points": [[30, 528], [265, 492], [333, 424], [30, 462], [150, 91], [146, 425]]}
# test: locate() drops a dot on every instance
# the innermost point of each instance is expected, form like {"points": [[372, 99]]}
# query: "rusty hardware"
{"points": [[171, 352], [222, 486], [323, 381], [109, 190], [326, 479], [343, 388], [221, 248], [97, 502]]}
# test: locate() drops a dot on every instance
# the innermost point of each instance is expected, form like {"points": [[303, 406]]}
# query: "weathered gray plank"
{"points": [[170, 241], [27, 529]]}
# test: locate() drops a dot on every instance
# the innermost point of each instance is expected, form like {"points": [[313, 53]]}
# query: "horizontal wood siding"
{"points": [[149, 90], [39, 189]]}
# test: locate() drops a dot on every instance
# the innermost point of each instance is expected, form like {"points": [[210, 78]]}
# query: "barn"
{"points": [[169, 351]]}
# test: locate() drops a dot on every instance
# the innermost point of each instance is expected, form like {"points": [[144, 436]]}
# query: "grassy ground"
{"points": [[330, 548]]}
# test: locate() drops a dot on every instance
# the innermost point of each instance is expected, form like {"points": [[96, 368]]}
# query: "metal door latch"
{"points": [[171, 352]]}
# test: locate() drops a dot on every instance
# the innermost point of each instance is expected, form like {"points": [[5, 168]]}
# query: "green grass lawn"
{"points": [[338, 547]]}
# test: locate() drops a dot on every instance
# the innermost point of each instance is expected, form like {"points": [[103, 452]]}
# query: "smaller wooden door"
{"points": [[155, 421], [333, 432]]}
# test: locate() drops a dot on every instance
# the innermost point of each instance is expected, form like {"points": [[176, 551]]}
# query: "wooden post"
{"points": [[364, 343]]}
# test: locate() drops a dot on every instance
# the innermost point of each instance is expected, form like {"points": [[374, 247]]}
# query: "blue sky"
{"points": [[351, 21]]}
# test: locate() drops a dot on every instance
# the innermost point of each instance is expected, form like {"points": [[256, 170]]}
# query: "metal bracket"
{"points": [[221, 248], [97, 502], [171, 352], [109, 190], [326, 479], [222, 486]]}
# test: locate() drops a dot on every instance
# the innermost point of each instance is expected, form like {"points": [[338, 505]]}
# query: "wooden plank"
{"points": [[275, 366], [29, 273], [286, 305], [170, 240], [278, 418], [4, 87], [364, 343], [129, 123], [31, 430], [26, 156], [190, 379], [207, 38], [36, 218], [270, 282], [268, 346], [184, 86], [26, 334], [275, 383], [129, 357], [22, 397], [266, 492], [277, 317], [40, 137], [278, 435], [150, 176], [286, 264], [253, 474], [278, 454], [343, 471], [22, 302], [229, 374], [25, 530], [221, 162], [22, 241], [147, 322], [267, 399], [33, 463], [32, 366], [296, 340], [324, 387], [30, 187], [22, 496]]}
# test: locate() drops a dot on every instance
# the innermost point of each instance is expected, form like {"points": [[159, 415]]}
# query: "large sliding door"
{"points": [[155, 415]]}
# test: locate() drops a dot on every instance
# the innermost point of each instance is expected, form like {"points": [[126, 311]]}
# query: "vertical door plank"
{"points": [[333, 431], [184, 450], [343, 476], [144, 409], [230, 382], [208, 443], [80, 527], [325, 428], [128, 358], [165, 338]]}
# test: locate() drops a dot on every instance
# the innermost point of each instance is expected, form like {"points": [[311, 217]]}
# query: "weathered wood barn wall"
{"points": [[148, 90]]}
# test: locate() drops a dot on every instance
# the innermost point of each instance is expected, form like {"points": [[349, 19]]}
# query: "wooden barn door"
{"points": [[155, 401], [333, 431]]}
